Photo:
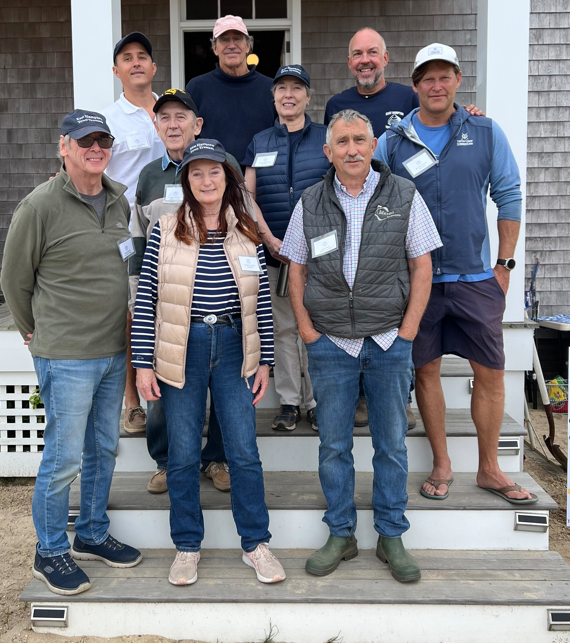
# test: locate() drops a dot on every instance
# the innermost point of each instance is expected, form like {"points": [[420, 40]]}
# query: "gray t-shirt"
{"points": [[97, 201]]}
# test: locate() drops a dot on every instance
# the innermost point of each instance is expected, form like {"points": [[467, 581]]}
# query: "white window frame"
{"points": [[178, 26]]}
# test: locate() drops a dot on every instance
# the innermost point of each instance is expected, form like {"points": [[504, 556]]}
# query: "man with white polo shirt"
{"points": [[137, 143]]}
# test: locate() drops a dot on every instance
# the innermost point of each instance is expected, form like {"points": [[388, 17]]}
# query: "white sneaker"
{"points": [[266, 565], [184, 570]]}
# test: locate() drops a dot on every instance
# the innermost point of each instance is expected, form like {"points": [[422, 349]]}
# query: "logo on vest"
{"points": [[464, 140], [383, 213]]}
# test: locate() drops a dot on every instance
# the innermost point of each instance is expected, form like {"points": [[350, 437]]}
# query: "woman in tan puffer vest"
{"points": [[203, 321]]}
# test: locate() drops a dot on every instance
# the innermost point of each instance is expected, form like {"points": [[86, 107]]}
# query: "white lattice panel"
{"points": [[21, 426]]}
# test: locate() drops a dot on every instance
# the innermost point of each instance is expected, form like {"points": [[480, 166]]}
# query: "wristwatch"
{"points": [[509, 264]]}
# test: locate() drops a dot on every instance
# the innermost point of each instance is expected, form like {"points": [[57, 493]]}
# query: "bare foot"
{"points": [[496, 479], [438, 473]]}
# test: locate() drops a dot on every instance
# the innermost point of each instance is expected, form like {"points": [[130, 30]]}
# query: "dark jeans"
{"points": [[213, 360], [157, 437]]}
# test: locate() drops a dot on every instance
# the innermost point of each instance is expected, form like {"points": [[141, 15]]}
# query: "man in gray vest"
{"points": [[360, 278]]}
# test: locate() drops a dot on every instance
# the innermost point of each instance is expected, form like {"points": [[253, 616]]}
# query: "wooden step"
{"points": [[298, 450], [470, 518], [469, 595]]}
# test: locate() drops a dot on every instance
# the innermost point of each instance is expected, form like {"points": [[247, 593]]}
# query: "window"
{"points": [[247, 9]]}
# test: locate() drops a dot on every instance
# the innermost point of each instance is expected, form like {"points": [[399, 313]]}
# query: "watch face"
{"points": [[511, 263]]}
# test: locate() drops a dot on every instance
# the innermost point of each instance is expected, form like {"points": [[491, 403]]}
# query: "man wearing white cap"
{"points": [[235, 100], [454, 159]]}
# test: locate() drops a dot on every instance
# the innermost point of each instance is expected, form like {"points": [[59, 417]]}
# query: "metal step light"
{"points": [[72, 516], [509, 446], [49, 615], [531, 521], [558, 620]]}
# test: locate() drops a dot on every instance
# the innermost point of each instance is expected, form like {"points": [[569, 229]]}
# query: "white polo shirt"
{"points": [[136, 143]]}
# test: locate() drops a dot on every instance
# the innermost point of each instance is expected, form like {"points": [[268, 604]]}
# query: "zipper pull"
{"points": [[351, 299], [291, 190], [438, 272], [246, 382]]}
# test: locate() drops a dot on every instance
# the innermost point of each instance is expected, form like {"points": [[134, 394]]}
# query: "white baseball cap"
{"points": [[436, 51]]}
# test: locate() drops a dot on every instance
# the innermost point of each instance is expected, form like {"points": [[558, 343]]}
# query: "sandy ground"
{"points": [[17, 539]]}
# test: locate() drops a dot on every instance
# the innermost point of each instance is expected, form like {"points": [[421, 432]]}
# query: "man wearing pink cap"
{"points": [[234, 99]]}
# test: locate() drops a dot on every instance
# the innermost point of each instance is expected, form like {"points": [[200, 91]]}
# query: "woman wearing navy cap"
{"points": [[203, 320]]}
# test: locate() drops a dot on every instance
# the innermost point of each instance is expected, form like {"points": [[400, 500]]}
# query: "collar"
{"points": [[114, 190], [127, 106], [282, 130], [166, 161], [372, 176]]}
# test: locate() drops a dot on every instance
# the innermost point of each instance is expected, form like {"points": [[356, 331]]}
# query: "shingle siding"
{"points": [[548, 175], [36, 86], [328, 25]]}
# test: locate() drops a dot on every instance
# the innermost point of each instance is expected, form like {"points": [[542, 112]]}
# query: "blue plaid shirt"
{"points": [[422, 237]]}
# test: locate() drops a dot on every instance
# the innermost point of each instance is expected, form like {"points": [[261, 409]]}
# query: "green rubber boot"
{"points": [[326, 559], [402, 565]]}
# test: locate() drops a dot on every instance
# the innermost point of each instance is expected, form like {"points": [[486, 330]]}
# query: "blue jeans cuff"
{"points": [[190, 550], [52, 553]]}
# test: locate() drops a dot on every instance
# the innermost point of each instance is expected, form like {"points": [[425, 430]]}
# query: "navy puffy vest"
{"points": [[453, 193]]}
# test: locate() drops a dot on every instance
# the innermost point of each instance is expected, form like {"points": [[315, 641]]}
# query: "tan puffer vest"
{"points": [[177, 263]]}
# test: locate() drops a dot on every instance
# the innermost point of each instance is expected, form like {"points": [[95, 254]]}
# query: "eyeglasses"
{"points": [[105, 142]]}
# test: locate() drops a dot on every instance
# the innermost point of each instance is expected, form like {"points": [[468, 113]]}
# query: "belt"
{"points": [[212, 320]]}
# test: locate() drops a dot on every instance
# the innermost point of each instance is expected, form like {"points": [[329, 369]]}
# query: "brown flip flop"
{"points": [[515, 501], [436, 484]]}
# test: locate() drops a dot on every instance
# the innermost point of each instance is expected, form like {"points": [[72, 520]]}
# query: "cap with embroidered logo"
{"points": [[436, 51], [293, 70], [80, 123], [176, 95], [204, 148]]}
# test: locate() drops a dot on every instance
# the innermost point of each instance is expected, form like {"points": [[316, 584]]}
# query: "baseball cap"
{"points": [[436, 51], [80, 122], [176, 95], [293, 70], [135, 36], [204, 148], [229, 22]]}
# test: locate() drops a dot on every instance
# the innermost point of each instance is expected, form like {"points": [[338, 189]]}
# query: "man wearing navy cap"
{"points": [[137, 143], [66, 285]]}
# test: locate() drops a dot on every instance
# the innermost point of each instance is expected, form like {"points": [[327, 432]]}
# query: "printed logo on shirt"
{"points": [[383, 213], [393, 118], [464, 140]]}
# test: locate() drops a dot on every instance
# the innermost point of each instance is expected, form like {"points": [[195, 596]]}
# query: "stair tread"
{"points": [[301, 490], [458, 423], [452, 366], [448, 577]]}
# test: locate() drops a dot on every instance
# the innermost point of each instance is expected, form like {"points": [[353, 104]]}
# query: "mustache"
{"points": [[354, 157]]}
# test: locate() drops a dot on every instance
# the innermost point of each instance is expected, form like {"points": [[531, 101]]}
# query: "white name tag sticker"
{"points": [[324, 244], [173, 193], [250, 264], [137, 141], [126, 247], [419, 163], [265, 159]]}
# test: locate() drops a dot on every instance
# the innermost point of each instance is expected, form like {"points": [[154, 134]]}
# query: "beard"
{"points": [[368, 85]]}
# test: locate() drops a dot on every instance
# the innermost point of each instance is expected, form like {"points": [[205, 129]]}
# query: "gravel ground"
{"points": [[17, 540]]}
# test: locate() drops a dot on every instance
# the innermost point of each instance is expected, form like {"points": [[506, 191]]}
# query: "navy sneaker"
{"points": [[61, 574], [111, 552], [287, 418]]}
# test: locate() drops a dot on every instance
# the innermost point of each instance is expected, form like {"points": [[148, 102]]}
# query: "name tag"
{"points": [[137, 141], [265, 159], [250, 264], [126, 247], [324, 244], [173, 193], [419, 163]]}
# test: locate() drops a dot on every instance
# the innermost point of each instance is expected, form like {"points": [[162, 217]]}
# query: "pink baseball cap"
{"points": [[229, 22]]}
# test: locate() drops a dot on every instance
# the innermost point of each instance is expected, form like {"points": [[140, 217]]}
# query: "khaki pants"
{"points": [[290, 354]]}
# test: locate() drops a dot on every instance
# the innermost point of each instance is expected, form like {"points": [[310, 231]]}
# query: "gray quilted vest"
{"points": [[381, 290]]}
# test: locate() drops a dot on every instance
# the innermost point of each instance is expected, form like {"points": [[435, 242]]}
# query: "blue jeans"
{"points": [[386, 377], [83, 400], [157, 437], [213, 359]]}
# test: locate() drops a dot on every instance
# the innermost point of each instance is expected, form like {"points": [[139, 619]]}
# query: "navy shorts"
{"points": [[465, 319]]}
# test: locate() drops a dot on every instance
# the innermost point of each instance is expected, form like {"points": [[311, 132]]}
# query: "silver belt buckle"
{"points": [[210, 319]]}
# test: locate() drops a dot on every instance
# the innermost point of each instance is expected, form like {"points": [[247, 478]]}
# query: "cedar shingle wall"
{"points": [[36, 86], [407, 26], [548, 174]]}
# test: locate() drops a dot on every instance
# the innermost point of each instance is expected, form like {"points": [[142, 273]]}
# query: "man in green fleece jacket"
{"points": [[64, 275]]}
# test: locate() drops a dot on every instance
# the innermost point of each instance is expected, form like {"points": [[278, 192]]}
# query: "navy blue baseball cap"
{"points": [[135, 36], [178, 95], [204, 148], [293, 70], [80, 122]]}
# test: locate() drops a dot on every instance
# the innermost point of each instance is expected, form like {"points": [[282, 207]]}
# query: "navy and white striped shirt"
{"points": [[215, 292]]}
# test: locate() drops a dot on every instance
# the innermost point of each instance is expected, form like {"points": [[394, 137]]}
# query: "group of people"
{"points": [[209, 194]]}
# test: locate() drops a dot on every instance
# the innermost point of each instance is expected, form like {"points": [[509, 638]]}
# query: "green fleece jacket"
{"points": [[62, 272]]}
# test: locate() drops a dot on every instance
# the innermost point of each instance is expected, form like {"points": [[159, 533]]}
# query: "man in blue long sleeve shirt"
{"points": [[454, 160]]}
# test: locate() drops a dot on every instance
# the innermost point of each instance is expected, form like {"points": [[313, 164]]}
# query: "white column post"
{"points": [[94, 34], [502, 93], [296, 51], [176, 47]]}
